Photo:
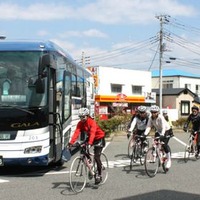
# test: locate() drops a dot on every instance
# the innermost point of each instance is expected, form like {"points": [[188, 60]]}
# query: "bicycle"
{"points": [[138, 150], [131, 143], [191, 148], [155, 157], [84, 168]]}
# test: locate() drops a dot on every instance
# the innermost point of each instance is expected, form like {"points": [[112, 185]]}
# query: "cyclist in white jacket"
{"points": [[139, 123], [162, 129]]}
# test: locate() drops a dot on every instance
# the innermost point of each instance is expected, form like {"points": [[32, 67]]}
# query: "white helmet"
{"points": [[154, 108], [142, 108], [164, 112], [83, 112]]}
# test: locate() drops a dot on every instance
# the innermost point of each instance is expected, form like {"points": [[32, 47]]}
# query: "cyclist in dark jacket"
{"points": [[194, 118]]}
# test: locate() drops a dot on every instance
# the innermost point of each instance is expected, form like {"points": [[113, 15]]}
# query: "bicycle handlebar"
{"points": [[140, 136], [165, 136]]}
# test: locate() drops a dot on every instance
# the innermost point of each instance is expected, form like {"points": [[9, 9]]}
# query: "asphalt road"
{"points": [[180, 183]]}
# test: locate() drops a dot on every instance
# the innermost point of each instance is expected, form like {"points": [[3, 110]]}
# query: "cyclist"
{"points": [[132, 118], [165, 115], [162, 129], [139, 123], [95, 137], [194, 118]]}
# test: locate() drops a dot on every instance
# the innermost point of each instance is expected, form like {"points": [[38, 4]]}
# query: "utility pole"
{"points": [[85, 60], [163, 19]]}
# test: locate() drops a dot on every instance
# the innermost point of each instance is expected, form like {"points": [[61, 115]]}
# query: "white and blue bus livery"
{"points": [[41, 90]]}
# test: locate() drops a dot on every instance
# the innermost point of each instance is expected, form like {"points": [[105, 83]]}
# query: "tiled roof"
{"points": [[172, 91], [173, 72], [196, 100]]}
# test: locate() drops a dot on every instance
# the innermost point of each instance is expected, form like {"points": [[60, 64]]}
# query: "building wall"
{"points": [[178, 82], [126, 77], [191, 81], [169, 102]]}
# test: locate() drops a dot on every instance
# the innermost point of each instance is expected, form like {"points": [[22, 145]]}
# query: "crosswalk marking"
{"points": [[123, 163]]}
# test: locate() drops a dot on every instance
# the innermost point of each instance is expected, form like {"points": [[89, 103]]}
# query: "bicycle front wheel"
{"points": [[151, 162], [78, 175], [142, 155], [130, 146], [188, 151], [132, 157]]}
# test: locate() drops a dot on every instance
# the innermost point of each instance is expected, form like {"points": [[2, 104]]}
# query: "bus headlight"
{"points": [[34, 149]]}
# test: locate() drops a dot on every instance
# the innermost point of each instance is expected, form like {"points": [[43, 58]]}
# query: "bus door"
{"points": [[66, 106], [55, 126]]}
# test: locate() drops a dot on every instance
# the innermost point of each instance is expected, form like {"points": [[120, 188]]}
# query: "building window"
{"points": [[137, 90], [188, 86], [116, 88], [167, 84], [198, 90], [185, 107]]}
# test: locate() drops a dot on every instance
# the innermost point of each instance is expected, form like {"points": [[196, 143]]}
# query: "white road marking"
{"points": [[4, 181], [181, 142]]}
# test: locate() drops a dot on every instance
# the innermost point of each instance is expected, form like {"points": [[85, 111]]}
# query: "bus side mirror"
{"points": [[43, 63], [39, 85]]}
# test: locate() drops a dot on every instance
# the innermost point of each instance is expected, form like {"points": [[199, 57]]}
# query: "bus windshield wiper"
{"points": [[18, 108]]}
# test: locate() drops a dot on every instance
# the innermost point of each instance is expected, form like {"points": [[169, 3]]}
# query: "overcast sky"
{"points": [[117, 33]]}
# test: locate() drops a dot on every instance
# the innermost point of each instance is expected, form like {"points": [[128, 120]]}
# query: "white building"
{"points": [[180, 91], [172, 78], [125, 88]]}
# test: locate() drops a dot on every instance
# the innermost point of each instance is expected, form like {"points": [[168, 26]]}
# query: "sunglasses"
{"points": [[82, 117], [154, 112]]}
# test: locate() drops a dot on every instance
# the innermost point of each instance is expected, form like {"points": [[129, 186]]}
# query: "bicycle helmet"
{"points": [[83, 112], [142, 108], [154, 108], [165, 112], [195, 108]]}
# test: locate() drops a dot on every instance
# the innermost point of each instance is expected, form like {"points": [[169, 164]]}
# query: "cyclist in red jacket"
{"points": [[95, 137]]}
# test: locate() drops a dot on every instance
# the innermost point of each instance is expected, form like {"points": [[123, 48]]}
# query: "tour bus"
{"points": [[41, 90]]}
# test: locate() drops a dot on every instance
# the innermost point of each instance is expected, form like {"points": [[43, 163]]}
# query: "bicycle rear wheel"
{"points": [[105, 167], [151, 162], [78, 175]]}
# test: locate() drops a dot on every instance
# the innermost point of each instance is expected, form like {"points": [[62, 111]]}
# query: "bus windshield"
{"points": [[18, 76]]}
